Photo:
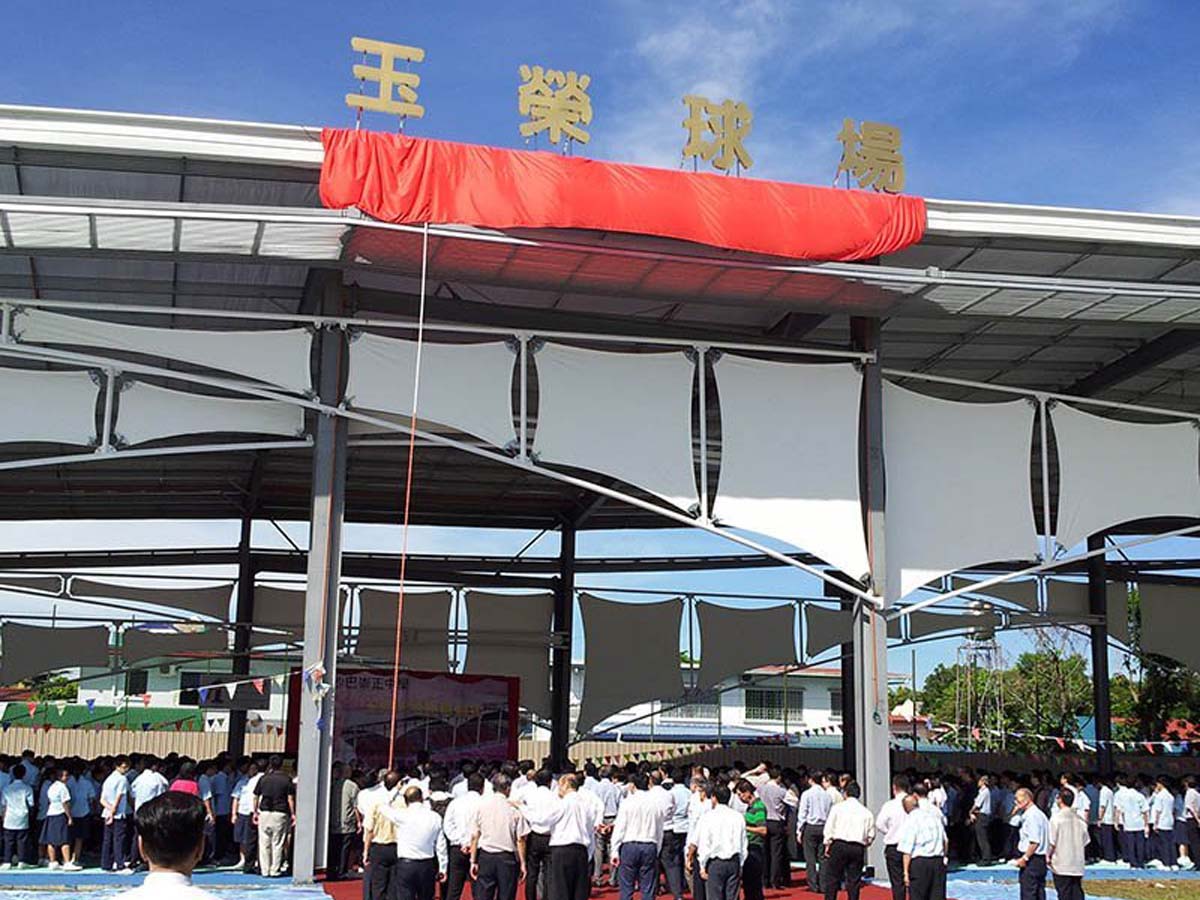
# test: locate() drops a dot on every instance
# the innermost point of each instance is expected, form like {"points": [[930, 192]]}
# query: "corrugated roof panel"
{"points": [[1118, 306], [954, 298], [49, 230], [216, 236], [1019, 262], [1119, 267], [1168, 310], [1007, 302], [129, 233], [302, 241], [1063, 304]]}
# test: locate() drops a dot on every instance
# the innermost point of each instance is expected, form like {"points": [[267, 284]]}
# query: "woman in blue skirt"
{"points": [[56, 827]]}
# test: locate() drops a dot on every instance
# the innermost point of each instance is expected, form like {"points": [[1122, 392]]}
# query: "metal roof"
{"points": [[167, 212]]}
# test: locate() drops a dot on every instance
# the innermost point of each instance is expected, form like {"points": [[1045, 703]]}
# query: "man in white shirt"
{"points": [[1191, 814], [245, 834], [17, 801], [849, 830], [421, 856], [1133, 822], [171, 839], [114, 805], [534, 799], [701, 802], [572, 822], [1107, 821], [1162, 822], [1068, 838], [457, 828], [1033, 842], [148, 784], [721, 848], [636, 839], [888, 823], [924, 850], [675, 834], [813, 811], [609, 792]]}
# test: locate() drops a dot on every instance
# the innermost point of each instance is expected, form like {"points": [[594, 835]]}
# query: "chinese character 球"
{"points": [[728, 124], [555, 102]]}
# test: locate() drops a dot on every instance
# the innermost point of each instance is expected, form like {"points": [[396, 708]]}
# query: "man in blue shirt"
{"points": [[1033, 840], [675, 833], [924, 851], [114, 804], [815, 804], [981, 822]]}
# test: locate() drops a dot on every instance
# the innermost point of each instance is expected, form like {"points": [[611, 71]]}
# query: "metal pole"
{"points": [[560, 670], [872, 732], [322, 596], [244, 609], [523, 368], [110, 390], [1101, 698]]}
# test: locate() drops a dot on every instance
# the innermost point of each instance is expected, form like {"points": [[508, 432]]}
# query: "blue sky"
{"points": [[1079, 103], [1074, 102]]}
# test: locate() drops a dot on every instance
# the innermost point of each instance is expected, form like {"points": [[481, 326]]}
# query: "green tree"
{"points": [[53, 687], [1159, 688]]}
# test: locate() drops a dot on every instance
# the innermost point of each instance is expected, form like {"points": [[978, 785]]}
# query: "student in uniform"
{"points": [[56, 826], [17, 801], [114, 803]]}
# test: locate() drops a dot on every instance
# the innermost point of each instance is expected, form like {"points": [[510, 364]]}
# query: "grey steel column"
{"points": [[243, 616], [1101, 700], [872, 734], [321, 597], [560, 670]]}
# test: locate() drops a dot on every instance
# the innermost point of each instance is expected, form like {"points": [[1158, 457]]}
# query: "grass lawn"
{"points": [[1163, 889]]}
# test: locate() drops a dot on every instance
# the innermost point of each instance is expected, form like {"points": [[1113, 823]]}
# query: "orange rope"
{"points": [[408, 478]]}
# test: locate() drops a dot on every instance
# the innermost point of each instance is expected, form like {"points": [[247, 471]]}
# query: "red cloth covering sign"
{"points": [[408, 180]]}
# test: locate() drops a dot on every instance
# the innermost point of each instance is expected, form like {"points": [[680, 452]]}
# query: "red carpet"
{"points": [[352, 890]]}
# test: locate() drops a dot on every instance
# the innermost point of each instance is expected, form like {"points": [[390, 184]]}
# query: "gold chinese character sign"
{"points": [[397, 90], [728, 124], [871, 154], [555, 102]]}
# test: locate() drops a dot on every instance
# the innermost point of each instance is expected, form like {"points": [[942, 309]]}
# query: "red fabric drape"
{"points": [[408, 180]]}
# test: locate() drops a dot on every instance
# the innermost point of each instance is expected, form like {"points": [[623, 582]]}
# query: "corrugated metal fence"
{"points": [[62, 742]]}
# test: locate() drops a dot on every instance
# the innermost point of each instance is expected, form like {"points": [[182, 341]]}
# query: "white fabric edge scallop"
{"points": [[465, 386], [628, 415], [789, 460], [149, 413], [280, 357], [1112, 472], [958, 486], [47, 407]]}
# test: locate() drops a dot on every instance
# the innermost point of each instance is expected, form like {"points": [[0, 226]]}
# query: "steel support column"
{"points": [[244, 607], [1101, 700], [321, 598], [870, 709], [564, 629]]}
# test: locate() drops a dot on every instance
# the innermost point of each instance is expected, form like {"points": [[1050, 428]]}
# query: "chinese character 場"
{"points": [[397, 90], [872, 156], [727, 122], [556, 102]]}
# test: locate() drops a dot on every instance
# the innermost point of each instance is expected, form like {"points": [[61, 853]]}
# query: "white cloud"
{"points": [[761, 51]]}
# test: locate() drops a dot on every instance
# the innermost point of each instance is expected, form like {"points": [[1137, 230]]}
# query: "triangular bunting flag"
{"points": [[258, 685], [91, 705], [203, 692], [178, 725], [146, 699], [5, 725], [1062, 745], [32, 707], [1149, 746], [60, 706], [145, 726], [47, 727], [280, 680], [321, 724]]}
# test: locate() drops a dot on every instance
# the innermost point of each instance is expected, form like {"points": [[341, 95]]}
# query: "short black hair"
{"points": [[171, 827], [721, 793], [1067, 796], [851, 789]]}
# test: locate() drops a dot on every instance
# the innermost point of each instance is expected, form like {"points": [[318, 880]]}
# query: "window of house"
{"points": [[137, 682], [835, 703], [767, 704], [702, 707]]}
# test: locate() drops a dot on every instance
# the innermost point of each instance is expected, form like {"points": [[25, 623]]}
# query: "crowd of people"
{"points": [[59, 812], [508, 828]]}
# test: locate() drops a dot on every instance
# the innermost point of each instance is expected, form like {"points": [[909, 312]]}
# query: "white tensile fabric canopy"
{"points": [[631, 654], [1113, 472], [30, 650], [465, 386], [279, 357], [922, 624], [958, 486], [1171, 621], [282, 609], [211, 601], [509, 634], [1022, 593], [825, 627], [149, 413], [45, 584], [425, 636], [47, 407], [620, 414], [788, 463], [137, 644], [735, 640]]}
